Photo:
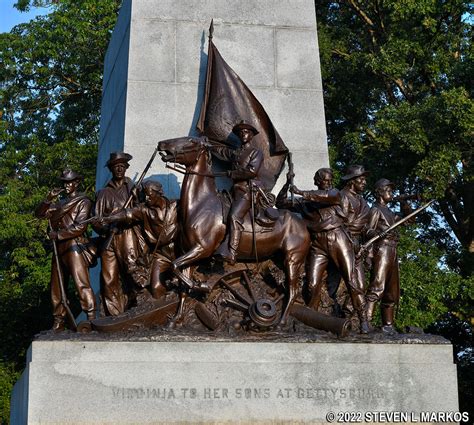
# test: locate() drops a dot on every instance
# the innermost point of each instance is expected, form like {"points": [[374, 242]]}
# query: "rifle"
{"points": [[64, 300], [366, 246], [291, 173], [114, 230]]}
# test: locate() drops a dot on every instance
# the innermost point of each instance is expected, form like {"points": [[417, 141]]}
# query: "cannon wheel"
{"points": [[260, 312]]}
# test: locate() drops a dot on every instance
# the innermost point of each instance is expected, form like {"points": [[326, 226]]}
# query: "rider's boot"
{"points": [[234, 239]]}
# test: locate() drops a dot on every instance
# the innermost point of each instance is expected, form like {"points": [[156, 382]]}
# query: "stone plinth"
{"points": [[155, 68], [92, 382]]}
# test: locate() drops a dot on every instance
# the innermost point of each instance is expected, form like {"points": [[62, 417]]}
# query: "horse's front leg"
{"points": [[194, 254], [185, 260], [179, 316]]}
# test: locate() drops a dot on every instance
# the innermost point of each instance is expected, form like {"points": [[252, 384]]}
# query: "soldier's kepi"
{"points": [[246, 163]]}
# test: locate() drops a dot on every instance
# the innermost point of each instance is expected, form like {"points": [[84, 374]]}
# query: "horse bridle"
{"points": [[183, 170]]}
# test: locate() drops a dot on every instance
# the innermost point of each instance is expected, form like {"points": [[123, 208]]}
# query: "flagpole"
{"points": [[200, 125]]}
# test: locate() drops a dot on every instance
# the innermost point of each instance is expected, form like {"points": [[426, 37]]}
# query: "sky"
{"points": [[9, 16]]}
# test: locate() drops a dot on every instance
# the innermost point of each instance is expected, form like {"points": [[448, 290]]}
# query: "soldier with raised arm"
{"points": [[329, 240], [68, 233], [246, 162]]}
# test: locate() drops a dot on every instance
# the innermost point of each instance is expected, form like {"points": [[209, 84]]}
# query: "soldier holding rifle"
{"points": [[385, 279], [120, 242], [67, 234], [355, 211], [158, 218]]}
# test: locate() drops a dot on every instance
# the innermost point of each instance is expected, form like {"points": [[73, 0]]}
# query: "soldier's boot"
{"points": [[158, 291], [314, 295], [90, 315], [388, 313], [234, 239], [369, 310], [58, 324], [364, 327], [358, 301]]}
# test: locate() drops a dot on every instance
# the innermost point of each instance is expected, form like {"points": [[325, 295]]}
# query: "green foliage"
{"points": [[8, 377], [429, 290]]}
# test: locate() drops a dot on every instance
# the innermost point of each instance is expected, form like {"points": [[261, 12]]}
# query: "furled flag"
{"points": [[227, 101]]}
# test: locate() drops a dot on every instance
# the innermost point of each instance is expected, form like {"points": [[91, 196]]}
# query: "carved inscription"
{"points": [[328, 394]]}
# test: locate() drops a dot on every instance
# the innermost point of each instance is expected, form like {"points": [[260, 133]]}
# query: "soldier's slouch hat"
{"points": [[117, 158], [69, 175], [354, 171], [242, 125]]}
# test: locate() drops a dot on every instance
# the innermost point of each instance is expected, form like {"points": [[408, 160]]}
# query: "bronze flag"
{"points": [[227, 101]]}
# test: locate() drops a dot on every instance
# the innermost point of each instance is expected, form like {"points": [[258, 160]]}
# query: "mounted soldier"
{"points": [[246, 163]]}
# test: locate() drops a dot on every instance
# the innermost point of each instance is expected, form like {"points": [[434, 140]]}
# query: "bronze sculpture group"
{"points": [[153, 248], [140, 243]]}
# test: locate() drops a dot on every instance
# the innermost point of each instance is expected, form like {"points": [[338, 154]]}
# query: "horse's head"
{"points": [[182, 150]]}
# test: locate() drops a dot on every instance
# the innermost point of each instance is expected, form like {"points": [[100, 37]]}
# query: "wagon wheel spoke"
{"points": [[248, 286]]}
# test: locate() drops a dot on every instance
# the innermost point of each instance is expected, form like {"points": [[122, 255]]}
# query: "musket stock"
{"points": [[64, 300]]}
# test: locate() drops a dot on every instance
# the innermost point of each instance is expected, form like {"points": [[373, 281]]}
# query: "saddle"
{"points": [[265, 213]]}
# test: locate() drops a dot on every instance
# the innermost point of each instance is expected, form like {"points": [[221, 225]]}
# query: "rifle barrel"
{"points": [[395, 225]]}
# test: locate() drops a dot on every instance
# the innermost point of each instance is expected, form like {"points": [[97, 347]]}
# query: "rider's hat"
{"points": [[69, 175], [118, 157], [242, 125], [354, 171], [383, 183]]}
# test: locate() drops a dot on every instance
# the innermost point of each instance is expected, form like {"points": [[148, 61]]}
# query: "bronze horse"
{"points": [[202, 222]]}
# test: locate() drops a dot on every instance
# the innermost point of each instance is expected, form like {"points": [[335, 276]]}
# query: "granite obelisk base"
{"points": [[150, 382]]}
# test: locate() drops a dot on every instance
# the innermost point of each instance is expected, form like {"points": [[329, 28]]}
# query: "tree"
{"points": [[50, 103]]}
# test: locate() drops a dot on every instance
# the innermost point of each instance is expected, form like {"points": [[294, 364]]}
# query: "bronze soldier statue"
{"points": [[246, 162], [158, 218], [356, 215], [120, 245], [329, 241], [67, 233], [385, 280]]}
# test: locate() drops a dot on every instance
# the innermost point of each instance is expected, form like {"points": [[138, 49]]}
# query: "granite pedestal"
{"points": [[151, 382]]}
